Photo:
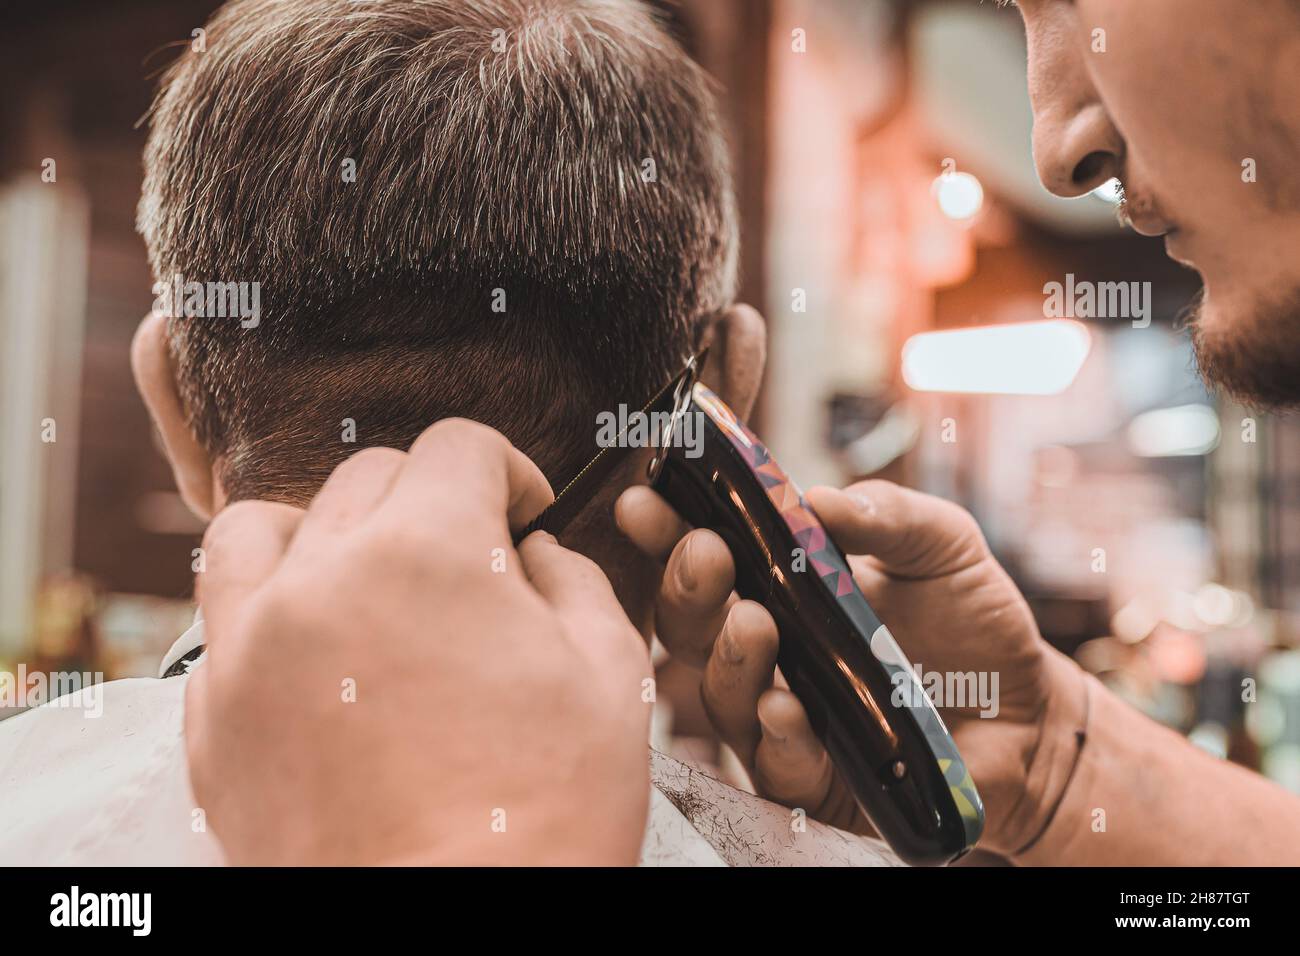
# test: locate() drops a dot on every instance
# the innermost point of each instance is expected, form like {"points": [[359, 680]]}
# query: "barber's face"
{"points": [[1188, 97]]}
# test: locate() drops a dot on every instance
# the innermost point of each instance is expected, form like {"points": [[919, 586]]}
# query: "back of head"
{"points": [[516, 211]]}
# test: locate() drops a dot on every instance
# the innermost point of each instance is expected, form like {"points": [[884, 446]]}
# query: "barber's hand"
{"points": [[923, 565], [389, 681]]}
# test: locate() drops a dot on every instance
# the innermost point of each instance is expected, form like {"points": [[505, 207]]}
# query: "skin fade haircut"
{"points": [[515, 211]]}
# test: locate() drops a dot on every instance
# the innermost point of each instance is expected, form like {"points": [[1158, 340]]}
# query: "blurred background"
{"points": [[897, 240]]}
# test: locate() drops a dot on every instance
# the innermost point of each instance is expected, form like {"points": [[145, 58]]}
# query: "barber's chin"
{"points": [[1250, 350]]}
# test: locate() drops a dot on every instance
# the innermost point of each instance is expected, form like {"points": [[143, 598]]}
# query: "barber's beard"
{"points": [[1254, 358]]}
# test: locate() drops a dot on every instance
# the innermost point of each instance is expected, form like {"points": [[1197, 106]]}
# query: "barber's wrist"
{"points": [[1054, 757]]}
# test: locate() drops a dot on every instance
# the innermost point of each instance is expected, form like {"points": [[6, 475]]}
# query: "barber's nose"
{"points": [[1076, 146], [1077, 151]]}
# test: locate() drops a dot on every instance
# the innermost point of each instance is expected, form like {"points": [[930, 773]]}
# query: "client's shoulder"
{"points": [[98, 776]]}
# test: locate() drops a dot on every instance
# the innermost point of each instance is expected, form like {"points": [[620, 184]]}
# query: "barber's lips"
{"points": [[1176, 248], [1145, 220]]}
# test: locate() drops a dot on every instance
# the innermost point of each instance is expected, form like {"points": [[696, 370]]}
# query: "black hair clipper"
{"points": [[862, 696]]}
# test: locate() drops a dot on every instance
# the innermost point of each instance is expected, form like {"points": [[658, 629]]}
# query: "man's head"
{"points": [[515, 211], [1195, 106]]}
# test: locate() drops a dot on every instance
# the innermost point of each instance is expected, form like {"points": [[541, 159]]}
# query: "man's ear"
{"points": [[737, 344], [157, 384]]}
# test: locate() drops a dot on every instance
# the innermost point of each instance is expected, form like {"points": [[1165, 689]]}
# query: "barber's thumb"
{"points": [[909, 532]]}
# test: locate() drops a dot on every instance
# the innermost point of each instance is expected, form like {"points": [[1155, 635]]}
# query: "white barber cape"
{"points": [[114, 790]]}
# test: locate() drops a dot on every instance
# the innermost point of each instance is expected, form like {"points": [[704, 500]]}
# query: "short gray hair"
{"points": [[565, 152]]}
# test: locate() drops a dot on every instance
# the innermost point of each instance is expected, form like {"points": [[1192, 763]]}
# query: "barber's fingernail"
{"points": [[863, 503], [685, 571], [729, 647], [768, 733], [544, 536]]}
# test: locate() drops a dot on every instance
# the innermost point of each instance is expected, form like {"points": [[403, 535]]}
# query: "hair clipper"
{"points": [[862, 696]]}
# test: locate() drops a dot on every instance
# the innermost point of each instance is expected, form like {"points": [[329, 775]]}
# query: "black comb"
{"points": [[576, 495]]}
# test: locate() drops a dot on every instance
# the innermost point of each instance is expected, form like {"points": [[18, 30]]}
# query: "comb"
{"points": [[577, 494]]}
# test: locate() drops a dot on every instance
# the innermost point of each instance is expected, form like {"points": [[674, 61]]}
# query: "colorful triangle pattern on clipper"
{"points": [[834, 573], [784, 493]]}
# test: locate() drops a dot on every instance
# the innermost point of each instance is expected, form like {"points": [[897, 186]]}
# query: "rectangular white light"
{"points": [[1022, 358]]}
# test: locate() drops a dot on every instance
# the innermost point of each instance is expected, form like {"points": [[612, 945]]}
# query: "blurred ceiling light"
{"points": [[959, 195], [1110, 191], [1213, 604], [1216, 606], [1022, 358], [1243, 609], [1171, 432]]}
